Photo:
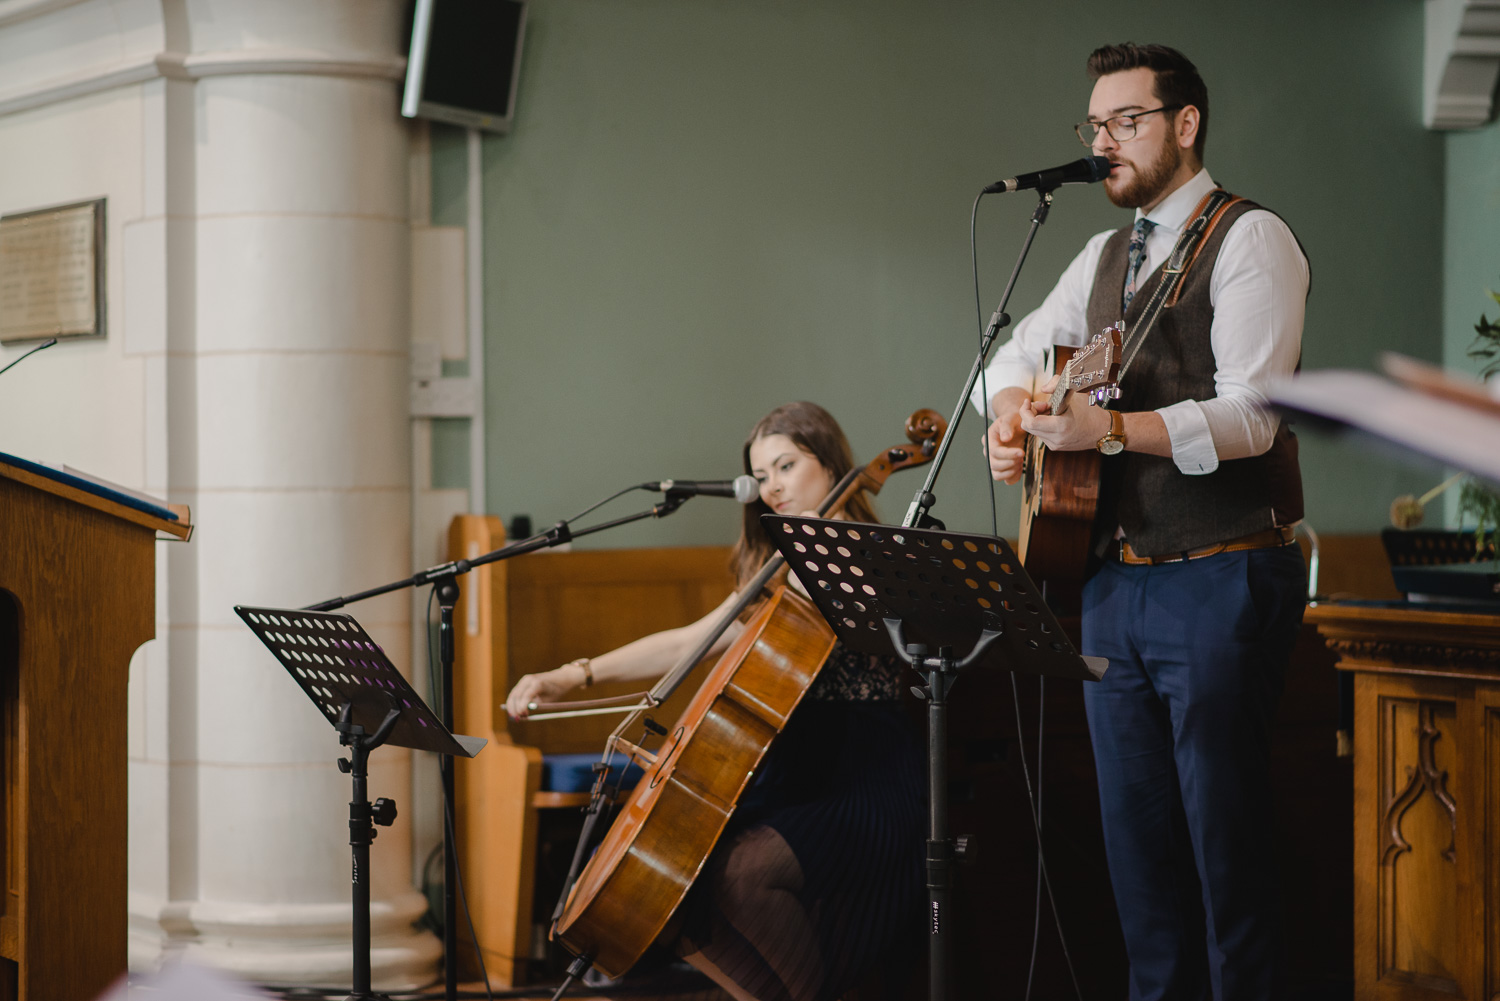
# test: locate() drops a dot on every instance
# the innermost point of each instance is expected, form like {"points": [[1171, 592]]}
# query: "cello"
{"points": [[672, 819]]}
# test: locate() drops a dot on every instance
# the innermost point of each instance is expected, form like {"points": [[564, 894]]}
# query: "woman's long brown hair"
{"points": [[812, 429]]}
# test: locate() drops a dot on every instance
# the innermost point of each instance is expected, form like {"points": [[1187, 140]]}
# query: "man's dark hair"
{"points": [[1177, 79]]}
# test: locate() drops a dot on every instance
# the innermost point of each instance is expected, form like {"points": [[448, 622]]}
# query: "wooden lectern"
{"points": [[77, 597], [1426, 797]]}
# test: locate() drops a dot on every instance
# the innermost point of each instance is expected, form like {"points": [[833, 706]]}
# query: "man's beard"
{"points": [[1150, 181]]}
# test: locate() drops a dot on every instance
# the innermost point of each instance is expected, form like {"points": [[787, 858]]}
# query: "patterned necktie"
{"points": [[1137, 257]]}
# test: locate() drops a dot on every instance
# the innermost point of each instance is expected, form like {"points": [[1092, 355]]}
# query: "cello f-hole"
{"points": [[666, 756]]}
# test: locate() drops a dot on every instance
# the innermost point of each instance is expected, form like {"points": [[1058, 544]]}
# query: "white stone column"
{"points": [[282, 166]]}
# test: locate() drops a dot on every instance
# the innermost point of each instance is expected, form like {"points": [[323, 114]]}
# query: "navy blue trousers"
{"points": [[1181, 726]]}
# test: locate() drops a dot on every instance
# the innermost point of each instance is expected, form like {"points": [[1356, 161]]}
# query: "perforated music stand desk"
{"points": [[965, 598], [945, 588], [362, 695], [331, 657]]}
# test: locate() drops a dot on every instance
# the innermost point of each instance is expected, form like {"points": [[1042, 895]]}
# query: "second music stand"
{"points": [[913, 590], [363, 695]]}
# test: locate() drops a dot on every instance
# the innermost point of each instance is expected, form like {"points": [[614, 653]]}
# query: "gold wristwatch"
{"points": [[1113, 443]]}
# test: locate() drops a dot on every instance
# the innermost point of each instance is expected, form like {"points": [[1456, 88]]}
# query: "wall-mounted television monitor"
{"points": [[464, 62]]}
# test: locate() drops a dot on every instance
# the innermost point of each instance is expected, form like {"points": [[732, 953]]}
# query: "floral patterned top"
{"points": [[851, 676]]}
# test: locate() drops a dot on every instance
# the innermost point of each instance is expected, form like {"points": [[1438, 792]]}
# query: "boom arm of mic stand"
{"points": [[924, 499], [554, 536]]}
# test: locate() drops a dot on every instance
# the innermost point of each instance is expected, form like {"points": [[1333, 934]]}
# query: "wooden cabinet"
{"points": [[1426, 797]]}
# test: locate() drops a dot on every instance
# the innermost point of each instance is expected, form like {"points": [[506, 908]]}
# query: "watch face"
{"points": [[1111, 446]]}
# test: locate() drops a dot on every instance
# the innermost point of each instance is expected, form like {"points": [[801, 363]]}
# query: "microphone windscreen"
{"points": [[746, 489]]}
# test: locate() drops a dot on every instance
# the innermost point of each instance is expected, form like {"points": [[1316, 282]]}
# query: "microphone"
{"points": [[1085, 171], [742, 488]]}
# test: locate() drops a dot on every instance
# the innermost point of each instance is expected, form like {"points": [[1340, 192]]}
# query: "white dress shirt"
{"points": [[1258, 291]]}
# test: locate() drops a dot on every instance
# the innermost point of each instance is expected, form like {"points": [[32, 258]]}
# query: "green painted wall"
{"points": [[1472, 239], [709, 208]]}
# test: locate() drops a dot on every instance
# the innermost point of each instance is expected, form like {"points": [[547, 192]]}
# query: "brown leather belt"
{"points": [[1270, 538]]}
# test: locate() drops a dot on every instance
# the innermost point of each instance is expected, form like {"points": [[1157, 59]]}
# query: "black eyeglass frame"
{"points": [[1108, 125]]}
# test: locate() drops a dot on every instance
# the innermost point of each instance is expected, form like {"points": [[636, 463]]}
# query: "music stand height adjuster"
{"points": [[368, 701]]}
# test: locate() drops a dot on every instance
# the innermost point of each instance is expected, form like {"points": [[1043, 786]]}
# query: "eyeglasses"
{"points": [[1121, 128]]}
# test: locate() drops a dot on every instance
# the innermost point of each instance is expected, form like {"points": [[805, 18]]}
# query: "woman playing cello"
{"points": [[818, 879]]}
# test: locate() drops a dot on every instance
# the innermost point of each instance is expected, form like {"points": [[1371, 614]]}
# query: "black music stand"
{"points": [[881, 586], [353, 683]]}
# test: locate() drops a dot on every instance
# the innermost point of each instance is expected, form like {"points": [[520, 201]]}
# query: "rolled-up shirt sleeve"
{"points": [[1259, 295], [1060, 319]]}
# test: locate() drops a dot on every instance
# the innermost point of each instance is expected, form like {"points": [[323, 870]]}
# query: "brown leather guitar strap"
{"points": [[1210, 210]]}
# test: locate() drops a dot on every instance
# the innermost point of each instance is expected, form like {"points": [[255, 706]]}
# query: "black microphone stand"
{"points": [[917, 514], [942, 847], [443, 578]]}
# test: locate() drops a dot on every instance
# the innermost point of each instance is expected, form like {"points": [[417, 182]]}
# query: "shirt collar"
{"points": [[1172, 214]]}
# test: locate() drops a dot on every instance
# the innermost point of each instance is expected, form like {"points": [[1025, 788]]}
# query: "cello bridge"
{"points": [[636, 753]]}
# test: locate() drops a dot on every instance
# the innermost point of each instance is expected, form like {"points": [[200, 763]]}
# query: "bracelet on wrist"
{"points": [[588, 675]]}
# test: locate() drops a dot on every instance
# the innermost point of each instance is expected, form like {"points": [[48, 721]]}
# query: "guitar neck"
{"points": [[1058, 402]]}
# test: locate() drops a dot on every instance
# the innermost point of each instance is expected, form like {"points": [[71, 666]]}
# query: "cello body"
{"points": [[675, 814]]}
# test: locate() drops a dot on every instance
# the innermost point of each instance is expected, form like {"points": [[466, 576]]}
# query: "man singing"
{"points": [[1197, 589]]}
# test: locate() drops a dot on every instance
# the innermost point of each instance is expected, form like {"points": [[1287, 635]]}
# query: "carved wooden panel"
{"points": [[1426, 798], [1421, 924]]}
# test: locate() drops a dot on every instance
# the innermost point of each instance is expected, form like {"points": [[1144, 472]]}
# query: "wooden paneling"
{"points": [[566, 605]]}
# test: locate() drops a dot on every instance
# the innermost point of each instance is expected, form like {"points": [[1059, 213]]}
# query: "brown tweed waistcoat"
{"points": [[1161, 509]]}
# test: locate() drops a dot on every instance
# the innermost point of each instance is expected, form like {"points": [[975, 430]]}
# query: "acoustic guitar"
{"points": [[1060, 490]]}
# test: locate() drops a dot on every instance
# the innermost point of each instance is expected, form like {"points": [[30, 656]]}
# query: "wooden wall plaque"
{"points": [[52, 272]]}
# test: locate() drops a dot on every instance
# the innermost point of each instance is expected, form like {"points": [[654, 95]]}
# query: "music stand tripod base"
{"points": [[360, 692], [965, 598]]}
